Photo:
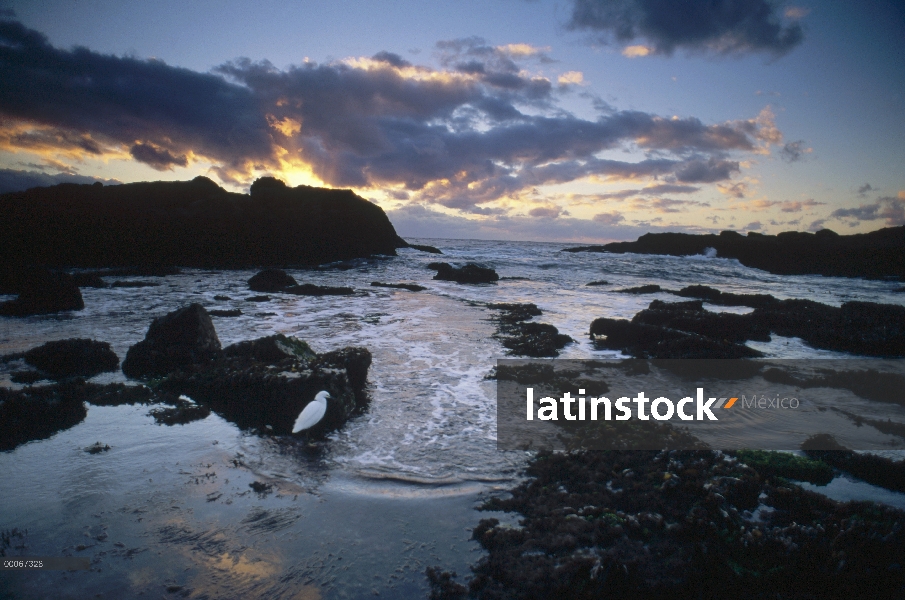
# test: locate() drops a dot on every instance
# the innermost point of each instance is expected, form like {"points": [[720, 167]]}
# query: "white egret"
{"points": [[313, 412]]}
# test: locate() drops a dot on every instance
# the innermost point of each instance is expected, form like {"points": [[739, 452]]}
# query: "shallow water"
{"points": [[390, 493]]}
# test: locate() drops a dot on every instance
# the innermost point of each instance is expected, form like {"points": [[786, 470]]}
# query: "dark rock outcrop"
{"points": [[525, 338], [73, 357], [42, 292], [714, 296], [470, 273], [271, 280], [423, 248], [875, 255], [601, 282], [641, 289], [412, 287], [264, 384], [190, 223], [686, 330], [177, 340], [133, 284], [225, 313]]}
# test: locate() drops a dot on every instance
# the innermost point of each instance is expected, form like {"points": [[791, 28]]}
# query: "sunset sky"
{"points": [[567, 120]]}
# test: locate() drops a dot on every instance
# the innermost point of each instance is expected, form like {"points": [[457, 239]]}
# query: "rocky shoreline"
{"points": [[259, 385]]}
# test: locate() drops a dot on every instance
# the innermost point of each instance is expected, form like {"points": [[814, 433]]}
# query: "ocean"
{"points": [[170, 510]]}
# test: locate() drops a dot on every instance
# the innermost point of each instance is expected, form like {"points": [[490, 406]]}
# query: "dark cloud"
{"points": [[888, 208], [754, 226], [545, 212], [76, 93], [459, 137], [157, 158], [793, 151], [707, 171], [721, 27], [862, 191], [12, 180], [391, 59]]}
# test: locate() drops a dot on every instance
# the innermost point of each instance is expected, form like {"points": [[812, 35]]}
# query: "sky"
{"points": [[560, 120]]}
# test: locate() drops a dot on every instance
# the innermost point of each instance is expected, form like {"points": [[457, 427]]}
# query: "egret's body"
{"points": [[312, 414]]}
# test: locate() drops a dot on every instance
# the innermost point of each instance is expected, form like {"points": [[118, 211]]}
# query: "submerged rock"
{"points": [[641, 289], [225, 313], [133, 284], [470, 273], [309, 289], [177, 340], [37, 413], [412, 287], [271, 280], [73, 357], [714, 296], [43, 292]]}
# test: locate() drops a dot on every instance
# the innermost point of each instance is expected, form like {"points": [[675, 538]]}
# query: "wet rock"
{"points": [[37, 413], [470, 273], [221, 298], [73, 357], [272, 349], [865, 328], [354, 360], [97, 448], [641, 289], [714, 296], [787, 465], [27, 377], [133, 284], [876, 470], [680, 524], [859, 327], [225, 313], [601, 282], [412, 287], [258, 299], [423, 248], [181, 414], [523, 338], [309, 289], [260, 487], [177, 340], [43, 292], [680, 330], [271, 280]]}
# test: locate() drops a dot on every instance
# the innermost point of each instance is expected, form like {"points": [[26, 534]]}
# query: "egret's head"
{"points": [[322, 395]]}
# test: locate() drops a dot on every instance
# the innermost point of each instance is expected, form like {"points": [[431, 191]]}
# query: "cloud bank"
{"points": [[714, 26]]}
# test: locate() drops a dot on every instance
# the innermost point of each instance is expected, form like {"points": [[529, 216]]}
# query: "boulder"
{"points": [[470, 273], [412, 287], [177, 340], [523, 338], [73, 357], [44, 292], [271, 280]]}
